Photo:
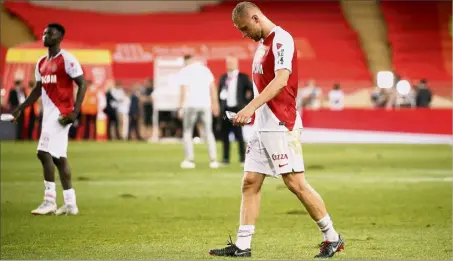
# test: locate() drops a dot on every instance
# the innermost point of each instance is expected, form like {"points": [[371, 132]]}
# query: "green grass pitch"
{"points": [[387, 201]]}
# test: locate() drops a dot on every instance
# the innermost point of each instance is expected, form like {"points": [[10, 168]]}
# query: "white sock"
{"points": [[69, 197], [326, 227], [244, 236], [49, 191]]}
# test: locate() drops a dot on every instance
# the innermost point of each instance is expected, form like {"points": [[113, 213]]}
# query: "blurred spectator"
{"points": [[336, 98], [299, 96], [31, 113], [15, 98], [423, 95], [148, 107], [235, 92], [198, 99], [404, 100], [120, 95], [89, 111], [74, 129], [311, 96], [380, 97], [134, 113], [111, 111]]}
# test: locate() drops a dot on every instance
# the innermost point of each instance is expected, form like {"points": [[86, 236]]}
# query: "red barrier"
{"points": [[427, 121]]}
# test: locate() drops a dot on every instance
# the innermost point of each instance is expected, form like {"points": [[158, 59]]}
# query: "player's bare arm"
{"points": [[272, 89], [31, 99], [182, 97], [214, 100], [71, 117]]}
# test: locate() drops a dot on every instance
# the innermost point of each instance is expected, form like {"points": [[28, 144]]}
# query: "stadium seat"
{"points": [[336, 52], [420, 42]]}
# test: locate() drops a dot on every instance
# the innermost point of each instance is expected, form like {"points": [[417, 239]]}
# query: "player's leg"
{"points": [[49, 204], [250, 207], [188, 121], [249, 211], [206, 118], [290, 165], [70, 203], [256, 168], [313, 203]]}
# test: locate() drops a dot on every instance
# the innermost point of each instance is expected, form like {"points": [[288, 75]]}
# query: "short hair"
{"points": [[187, 57], [240, 9], [58, 27]]}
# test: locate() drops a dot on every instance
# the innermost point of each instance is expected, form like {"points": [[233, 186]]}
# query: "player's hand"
{"points": [[243, 116], [70, 118], [16, 114]]}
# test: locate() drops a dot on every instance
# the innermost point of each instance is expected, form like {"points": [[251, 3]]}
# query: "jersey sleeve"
{"points": [[72, 66], [37, 73], [283, 49]]}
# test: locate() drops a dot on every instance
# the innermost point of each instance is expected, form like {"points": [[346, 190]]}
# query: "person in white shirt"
{"points": [[198, 99], [336, 98], [120, 95], [312, 96]]}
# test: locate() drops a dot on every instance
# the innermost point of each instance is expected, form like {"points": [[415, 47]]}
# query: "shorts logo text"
{"points": [[279, 156]]}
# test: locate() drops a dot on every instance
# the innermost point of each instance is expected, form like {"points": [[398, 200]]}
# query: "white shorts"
{"points": [[274, 153], [54, 136]]}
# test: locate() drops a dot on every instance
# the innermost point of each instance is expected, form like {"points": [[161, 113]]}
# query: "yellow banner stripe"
{"points": [[16, 55]]}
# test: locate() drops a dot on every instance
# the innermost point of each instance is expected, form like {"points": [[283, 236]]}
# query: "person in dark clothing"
{"points": [[424, 95], [112, 115], [148, 107], [34, 112], [134, 115], [235, 92], [16, 97]]}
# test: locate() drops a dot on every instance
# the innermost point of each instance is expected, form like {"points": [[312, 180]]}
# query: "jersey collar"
{"points": [[50, 58], [272, 31]]}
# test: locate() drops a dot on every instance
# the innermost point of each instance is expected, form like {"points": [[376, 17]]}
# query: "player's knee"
{"points": [[295, 183], [43, 156], [57, 161], [250, 184]]}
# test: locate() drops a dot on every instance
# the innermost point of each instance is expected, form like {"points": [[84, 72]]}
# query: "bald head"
{"points": [[231, 63]]}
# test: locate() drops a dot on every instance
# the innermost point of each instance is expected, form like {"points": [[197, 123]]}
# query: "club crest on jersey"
{"points": [[53, 68], [52, 78]]}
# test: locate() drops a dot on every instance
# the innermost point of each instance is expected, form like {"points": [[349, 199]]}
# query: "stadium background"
{"points": [[346, 42]]}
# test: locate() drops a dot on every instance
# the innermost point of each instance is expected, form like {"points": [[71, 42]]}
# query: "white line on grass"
{"points": [[330, 177]]}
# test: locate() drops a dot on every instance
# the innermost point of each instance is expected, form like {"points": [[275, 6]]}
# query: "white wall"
{"points": [[127, 6]]}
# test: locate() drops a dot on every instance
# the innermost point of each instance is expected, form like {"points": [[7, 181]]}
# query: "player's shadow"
{"points": [[296, 212]]}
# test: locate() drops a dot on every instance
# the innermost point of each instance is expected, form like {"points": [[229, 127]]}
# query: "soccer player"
{"points": [[275, 148], [54, 75]]}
